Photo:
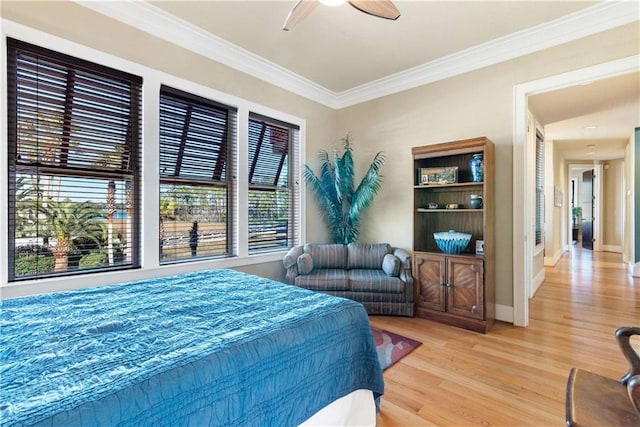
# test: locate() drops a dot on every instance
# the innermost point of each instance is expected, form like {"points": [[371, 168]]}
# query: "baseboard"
{"points": [[504, 313], [611, 248], [552, 261], [635, 269]]}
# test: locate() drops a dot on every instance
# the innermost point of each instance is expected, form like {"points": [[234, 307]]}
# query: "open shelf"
{"points": [[427, 210], [456, 184]]}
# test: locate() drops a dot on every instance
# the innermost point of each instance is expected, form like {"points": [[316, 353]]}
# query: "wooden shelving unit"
{"points": [[455, 289]]}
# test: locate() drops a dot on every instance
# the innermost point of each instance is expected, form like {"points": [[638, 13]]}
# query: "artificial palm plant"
{"points": [[341, 203]]}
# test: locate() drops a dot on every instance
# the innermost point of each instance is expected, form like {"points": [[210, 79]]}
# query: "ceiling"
{"points": [[340, 52], [593, 121], [340, 48]]}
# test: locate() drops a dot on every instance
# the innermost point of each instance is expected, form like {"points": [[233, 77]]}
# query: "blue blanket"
{"points": [[217, 348]]}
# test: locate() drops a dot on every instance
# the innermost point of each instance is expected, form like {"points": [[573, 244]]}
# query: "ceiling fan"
{"points": [[380, 8]]}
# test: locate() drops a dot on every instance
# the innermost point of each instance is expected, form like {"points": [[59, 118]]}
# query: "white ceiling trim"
{"points": [[155, 21], [595, 19]]}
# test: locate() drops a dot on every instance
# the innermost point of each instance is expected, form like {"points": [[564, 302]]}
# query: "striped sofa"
{"points": [[374, 274]]}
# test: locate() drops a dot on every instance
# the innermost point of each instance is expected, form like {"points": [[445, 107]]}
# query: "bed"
{"points": [[215, 347]]}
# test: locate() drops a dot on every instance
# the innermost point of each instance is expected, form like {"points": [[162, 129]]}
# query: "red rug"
{"points": [[392, 347]]}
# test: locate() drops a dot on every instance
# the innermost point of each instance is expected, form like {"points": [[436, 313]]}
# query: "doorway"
{"points": [[586, 197], [523, 202]]}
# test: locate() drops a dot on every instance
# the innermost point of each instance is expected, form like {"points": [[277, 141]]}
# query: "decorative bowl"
{"points": [[452, 242]]}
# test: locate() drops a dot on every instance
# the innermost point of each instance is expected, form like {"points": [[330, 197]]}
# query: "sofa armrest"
{"points": [[290, 263], [405, 272]]}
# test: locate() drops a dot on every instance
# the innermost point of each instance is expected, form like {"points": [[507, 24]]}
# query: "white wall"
{"points": [[628, 237], [613, 206], [556, 225], [549, 201]]}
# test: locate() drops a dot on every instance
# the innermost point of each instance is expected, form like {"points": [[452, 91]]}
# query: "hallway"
{"points": [[587, 288]]}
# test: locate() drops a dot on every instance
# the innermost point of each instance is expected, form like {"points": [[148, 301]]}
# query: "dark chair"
{"points": [[594, 400]]}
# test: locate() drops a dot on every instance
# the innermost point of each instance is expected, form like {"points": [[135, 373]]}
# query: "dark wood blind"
{"points": [[273, 193], [539, 217], [74, 143], [197, 138]]}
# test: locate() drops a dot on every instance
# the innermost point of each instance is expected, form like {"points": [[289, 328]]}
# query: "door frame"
{"points": [[596, 205], [523, 196], [598, 192]]}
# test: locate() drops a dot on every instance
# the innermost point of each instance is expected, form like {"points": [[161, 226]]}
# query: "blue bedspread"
{"points": [[216, 347]]}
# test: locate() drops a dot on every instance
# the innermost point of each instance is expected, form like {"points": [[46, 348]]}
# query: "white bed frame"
{"points": [[355, 409]]}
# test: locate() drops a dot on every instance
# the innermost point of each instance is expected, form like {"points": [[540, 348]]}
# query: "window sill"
{"points": [[56, 284]]}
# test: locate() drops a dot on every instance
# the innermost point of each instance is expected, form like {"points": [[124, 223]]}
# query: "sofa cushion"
{"points": [[305, 264], [367, 255], [390, 265], [325, 279], [378, 297], [361, 280], [327, 255]]}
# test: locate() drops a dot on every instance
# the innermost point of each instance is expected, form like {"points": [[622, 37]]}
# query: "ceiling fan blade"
{"points": [[380, 8], [298, 12]]}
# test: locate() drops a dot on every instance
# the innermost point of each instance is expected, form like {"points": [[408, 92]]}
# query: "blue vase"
{"points": [[477, 168]]}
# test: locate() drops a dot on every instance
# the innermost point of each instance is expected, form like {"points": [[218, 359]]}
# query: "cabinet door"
{"points": [[465, 278], [430, 269]]}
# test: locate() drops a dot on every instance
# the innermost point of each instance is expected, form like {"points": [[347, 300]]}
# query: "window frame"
{"points": [[228, 143], [131, 173], [292, 187]]}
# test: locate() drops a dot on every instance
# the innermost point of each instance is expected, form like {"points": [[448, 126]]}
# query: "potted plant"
{"points": [[341, 203], [576, 214]]}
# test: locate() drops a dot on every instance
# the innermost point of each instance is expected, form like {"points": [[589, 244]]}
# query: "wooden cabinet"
{"points": [[454, 289], [453, 285]]}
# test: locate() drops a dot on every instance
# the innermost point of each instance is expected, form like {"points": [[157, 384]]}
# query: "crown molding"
{"points": [[595, 19], [155, 21]]}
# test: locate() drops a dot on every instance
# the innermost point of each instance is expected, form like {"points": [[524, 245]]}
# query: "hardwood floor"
{"points": [[515, 376]]}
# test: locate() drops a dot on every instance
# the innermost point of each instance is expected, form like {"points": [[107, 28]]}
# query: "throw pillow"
{"points": [[305, 264], [291, 257], [390, 265]]}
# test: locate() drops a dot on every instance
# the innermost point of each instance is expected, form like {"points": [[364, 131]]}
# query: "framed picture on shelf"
{"points": [[444, 175]]}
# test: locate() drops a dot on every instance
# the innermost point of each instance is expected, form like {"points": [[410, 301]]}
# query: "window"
{"points": [[272, 200], [196, 191], [539, 230], [74, 174]]}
